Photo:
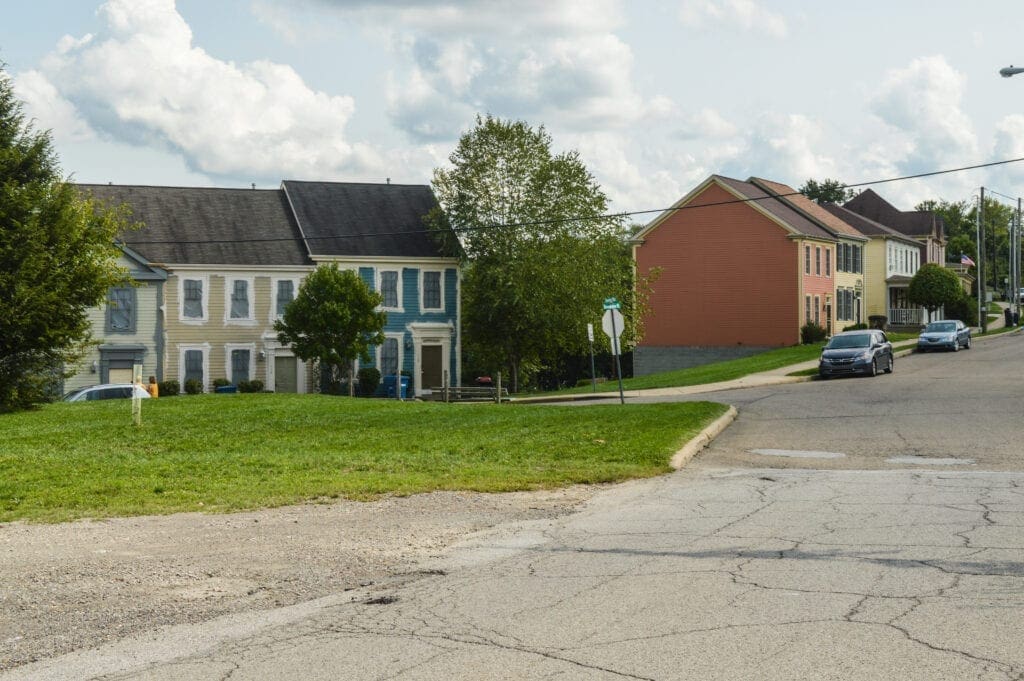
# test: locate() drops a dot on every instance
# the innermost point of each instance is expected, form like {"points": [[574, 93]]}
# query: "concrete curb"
{"points": [[703, 439]]}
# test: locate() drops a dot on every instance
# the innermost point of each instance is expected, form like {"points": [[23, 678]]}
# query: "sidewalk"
{"points": [[772, 377]]}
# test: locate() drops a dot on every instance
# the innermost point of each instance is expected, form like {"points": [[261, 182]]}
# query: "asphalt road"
{"points": [[878, 534]]}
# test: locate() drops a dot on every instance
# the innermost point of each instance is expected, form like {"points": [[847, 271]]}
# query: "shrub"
{"points": [[194, 386], [253, 386], [965, 309], [811, 333], [369, 379], [220, 382], [169, 388], [855, 327]]}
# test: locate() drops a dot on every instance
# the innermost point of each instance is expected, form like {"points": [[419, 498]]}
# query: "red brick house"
{"points": [[741, 271]]}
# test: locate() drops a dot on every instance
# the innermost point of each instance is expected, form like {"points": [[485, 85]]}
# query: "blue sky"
{"points": [[655, 94]]}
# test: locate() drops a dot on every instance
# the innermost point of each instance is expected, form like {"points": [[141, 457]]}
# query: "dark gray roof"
{"points": [[865, 225], [342, 219], [796, 221], [913, 222], [200, 226]]}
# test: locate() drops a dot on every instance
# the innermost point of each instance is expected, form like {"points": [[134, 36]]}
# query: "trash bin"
{"points": [[1008, 316], [389, 386]]}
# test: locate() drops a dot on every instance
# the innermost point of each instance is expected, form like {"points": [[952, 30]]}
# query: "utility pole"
{"points": [[980, 265], [1016, 262]]}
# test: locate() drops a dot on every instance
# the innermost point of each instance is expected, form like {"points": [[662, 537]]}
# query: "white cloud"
{"points": [[50, 110], [922, 104], [142, 80], [704, 124], [745, 15]]}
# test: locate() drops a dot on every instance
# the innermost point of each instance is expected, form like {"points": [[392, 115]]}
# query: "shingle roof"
{"points": [[792, 197], [865, 225], [914, 222], [352, 219], [194, 226], [794, 219]]}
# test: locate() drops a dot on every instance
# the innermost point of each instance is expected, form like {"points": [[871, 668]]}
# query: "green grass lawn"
{"points": [[233, 452]]}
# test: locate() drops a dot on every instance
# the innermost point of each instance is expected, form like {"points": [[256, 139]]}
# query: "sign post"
{"points": [[593, 375], [136, 400], [612, 324]]}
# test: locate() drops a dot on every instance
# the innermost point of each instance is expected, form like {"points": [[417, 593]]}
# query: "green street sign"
{"points": [[612, 304]]}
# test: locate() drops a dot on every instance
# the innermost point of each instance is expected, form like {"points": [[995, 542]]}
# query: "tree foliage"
{"points": [[334, 319], [934, 286], [827, 191], [540, 252], [58, 258]]}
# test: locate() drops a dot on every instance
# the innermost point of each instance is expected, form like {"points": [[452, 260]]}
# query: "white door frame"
{"points": [[427, 333]]}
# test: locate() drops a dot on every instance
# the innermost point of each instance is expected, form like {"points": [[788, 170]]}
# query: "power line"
{"points": [[580, 218]]}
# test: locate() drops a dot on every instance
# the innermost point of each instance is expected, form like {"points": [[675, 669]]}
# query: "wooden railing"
{"points": [[906, 316]]}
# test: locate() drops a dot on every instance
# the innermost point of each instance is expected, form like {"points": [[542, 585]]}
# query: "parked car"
{"points": [[945, 334], [107, 391], [856, 352]]}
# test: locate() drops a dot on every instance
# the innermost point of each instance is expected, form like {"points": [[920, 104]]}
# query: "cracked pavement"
{"points": [[739, 566]]}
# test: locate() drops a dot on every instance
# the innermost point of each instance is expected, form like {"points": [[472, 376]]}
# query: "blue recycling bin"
{"points": [[389, 386]]}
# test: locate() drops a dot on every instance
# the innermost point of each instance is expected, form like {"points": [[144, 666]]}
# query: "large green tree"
{"points": [[934, 286], [540, 252], [58, 258], [827, 191], [334, 319]]}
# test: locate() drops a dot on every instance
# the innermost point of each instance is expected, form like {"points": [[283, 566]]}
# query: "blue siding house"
{"points": [[379, 231]]}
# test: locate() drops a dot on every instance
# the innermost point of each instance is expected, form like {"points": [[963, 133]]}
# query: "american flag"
{"points": [[966, 260]]}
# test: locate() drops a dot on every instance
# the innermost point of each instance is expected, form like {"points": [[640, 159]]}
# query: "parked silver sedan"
{"points": [[945, 334]]}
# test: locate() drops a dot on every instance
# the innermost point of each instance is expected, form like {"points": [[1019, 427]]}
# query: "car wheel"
{"points": [[967, 345], [874, 367], [889, 367], [956, 345]]}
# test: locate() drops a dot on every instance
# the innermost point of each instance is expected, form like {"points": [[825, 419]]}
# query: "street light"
{"points": [[1010, 70]]}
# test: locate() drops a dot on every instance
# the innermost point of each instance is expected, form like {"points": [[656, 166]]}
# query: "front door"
{"points": [[120, 376], [286, 375], [431, 367]]}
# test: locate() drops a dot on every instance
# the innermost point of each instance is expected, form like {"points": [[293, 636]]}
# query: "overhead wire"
{"points": [[579, 218]]}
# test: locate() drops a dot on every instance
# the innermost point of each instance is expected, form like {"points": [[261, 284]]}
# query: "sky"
{"points": [[655, 95]]}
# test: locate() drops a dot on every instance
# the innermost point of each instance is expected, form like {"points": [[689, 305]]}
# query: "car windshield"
{"points": [[860, 340], [940, 327]]}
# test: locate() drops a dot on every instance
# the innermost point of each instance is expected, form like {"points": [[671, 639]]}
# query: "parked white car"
{"points": [[107, 391]]}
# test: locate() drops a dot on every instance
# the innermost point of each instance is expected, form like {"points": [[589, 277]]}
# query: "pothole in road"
{"points": [[798, 453], [930, 461]]}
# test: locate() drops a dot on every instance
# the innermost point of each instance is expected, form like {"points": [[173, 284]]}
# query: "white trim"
{"points": [[430, 333], [273, 349], [205, 279], [424, 308], [205, 349], [250, 295], [229, 364], [296, 283], [377, 272], [257, 270], [373, 260]]}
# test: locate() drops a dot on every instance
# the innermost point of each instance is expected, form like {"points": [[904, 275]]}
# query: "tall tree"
{"points": [[334, 319], [57, 259], [540, 252], [827, 191]]}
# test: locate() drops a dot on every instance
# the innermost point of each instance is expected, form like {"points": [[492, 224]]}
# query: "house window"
{"points": [[855, 259], [807, 259], [817, 310], [239, 305], [194, 366], [828, 262], [432, 291], [844, 258], [121, 310], [807, 309], [284, 294], [389, 357], [817, 261], [389, 289], [193, 305], [240, 359]]}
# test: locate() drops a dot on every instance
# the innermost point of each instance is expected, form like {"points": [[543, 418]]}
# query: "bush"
{"points": [[253, 386], [855, 327], [194, 386], [965, 309], [220, 382], [812, 333], [169, 388], [369, 379]]}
